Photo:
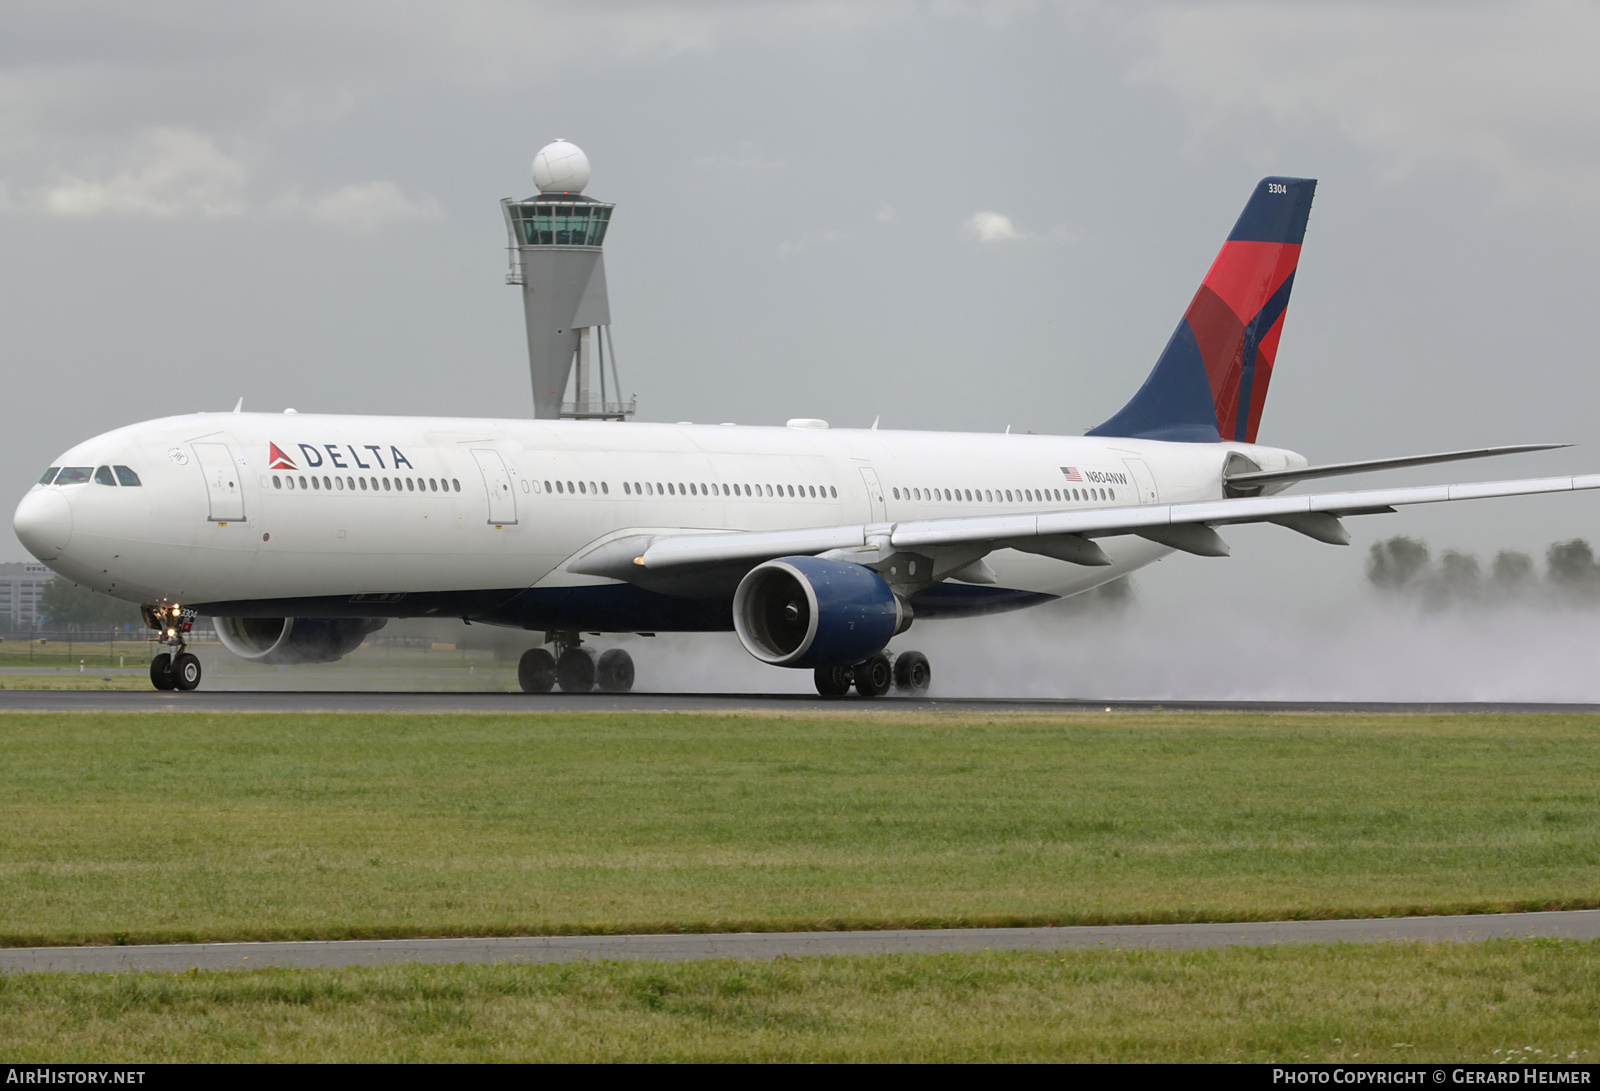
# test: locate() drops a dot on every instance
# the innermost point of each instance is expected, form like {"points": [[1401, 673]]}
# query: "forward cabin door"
{"points": [[497, 482], [222, 482]]}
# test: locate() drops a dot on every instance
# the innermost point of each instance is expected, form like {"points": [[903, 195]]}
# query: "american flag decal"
{"points": [[1071, 473]]}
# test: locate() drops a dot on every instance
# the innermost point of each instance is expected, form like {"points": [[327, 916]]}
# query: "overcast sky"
{"points": [[953, 215]]}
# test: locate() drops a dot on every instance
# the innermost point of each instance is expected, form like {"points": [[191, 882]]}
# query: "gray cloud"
{"points": [[1509, 91]]}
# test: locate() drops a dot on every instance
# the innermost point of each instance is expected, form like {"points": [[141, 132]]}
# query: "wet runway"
{"points": [[176, 958], [12, 700]]}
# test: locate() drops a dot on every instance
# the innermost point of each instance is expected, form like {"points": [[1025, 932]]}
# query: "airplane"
{"points": [[301, 534]]}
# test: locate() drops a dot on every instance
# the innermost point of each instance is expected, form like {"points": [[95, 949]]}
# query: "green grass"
{"points": [[53, 655], [1517, 1001], [149, 827]]}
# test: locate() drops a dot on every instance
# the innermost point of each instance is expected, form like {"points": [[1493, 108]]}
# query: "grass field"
{"points": [[1527, 1002], [147, 827]]}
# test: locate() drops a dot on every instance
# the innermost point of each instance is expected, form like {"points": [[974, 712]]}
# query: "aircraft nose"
{"points": [[43, 523]]}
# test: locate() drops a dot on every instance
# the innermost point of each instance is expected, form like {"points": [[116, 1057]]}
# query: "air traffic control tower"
{"points": [[556, 257]]}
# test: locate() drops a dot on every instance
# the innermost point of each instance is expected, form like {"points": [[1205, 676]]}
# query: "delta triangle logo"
{"points": [[279, 460]]}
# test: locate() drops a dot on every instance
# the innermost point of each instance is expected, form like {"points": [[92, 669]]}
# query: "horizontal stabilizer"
{"points": [[1257, 478]]}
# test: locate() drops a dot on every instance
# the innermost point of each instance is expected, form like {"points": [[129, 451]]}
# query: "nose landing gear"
{"points": [[178, 669], [909, 672]]}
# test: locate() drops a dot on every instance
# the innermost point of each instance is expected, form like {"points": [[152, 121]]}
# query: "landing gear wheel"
{"points": [[575, 671], [874, 677], [913, 673], [185, 672], [834, 681], [536, 671], [161, 672], [613, 671]]}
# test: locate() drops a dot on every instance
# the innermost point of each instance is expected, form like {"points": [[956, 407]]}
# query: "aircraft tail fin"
{"points": [[1211, 380]]}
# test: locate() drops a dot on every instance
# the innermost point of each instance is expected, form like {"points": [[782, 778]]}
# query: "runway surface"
{"points": [[175, 958], [20, 700]]}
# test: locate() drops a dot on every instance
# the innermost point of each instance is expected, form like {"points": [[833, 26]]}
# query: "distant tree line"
{"points": [[64, 606], [1404, 567]]}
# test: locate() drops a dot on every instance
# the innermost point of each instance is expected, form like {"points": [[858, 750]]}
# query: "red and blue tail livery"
{"points": [[1211, 381]]}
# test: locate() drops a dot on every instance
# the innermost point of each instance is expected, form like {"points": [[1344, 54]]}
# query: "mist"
{"points": [[1370, 650]]}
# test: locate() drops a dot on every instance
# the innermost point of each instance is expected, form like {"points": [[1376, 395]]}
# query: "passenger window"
{"points": [[49, 475], [315, 484], [277, 482], [605, 489], [582, 489], [833, 492], [385, 481], [289, 481], [339, 481], [456, 484]]}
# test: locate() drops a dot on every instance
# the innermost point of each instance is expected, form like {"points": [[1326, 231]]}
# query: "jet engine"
{"points": [[809, 612], [281, 640]]}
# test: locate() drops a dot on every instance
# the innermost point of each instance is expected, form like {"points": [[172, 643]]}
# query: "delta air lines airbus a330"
{"points": [[300, 534]]}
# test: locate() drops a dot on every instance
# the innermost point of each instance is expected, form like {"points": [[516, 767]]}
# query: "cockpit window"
{"points": [[127, 476], [75, 475], [49, 475], [102, 476]]}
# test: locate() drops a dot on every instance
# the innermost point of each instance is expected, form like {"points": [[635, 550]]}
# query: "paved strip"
{"points": [[176, 958], [14, 700]]}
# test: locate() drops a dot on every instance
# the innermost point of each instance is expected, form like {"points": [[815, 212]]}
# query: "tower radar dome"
{"points": [[560, 167]]}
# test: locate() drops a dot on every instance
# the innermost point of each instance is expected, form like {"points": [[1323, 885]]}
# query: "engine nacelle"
{"points": [[808, 612], [294, 639]]}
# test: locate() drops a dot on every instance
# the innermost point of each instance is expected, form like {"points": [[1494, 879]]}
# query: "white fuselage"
{"points": [[372, 510]]}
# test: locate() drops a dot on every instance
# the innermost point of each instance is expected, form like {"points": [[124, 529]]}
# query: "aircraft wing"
{"points": [[1066, 535]]}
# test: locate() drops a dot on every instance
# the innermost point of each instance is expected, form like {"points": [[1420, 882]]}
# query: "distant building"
{"points": [[21, 584]]}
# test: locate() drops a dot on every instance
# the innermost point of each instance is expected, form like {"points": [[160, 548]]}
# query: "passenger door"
{"points": [[497, 482], [222, 481], [869, 476]]}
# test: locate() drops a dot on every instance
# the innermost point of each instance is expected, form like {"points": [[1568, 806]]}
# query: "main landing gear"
{"points": [[908, 672], [574, 668], [178, 669]]}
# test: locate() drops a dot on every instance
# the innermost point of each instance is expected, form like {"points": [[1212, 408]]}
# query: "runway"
{"points": [[176, 958], [21, 700]]}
